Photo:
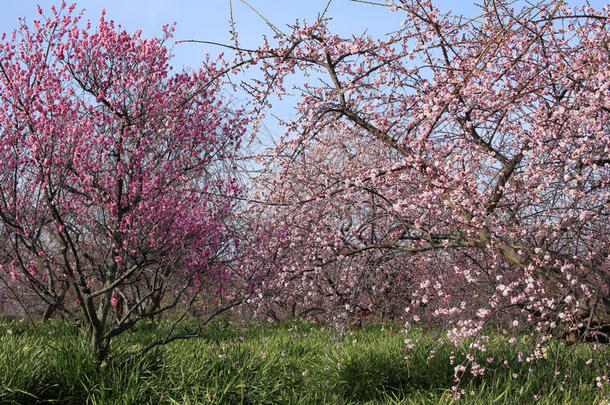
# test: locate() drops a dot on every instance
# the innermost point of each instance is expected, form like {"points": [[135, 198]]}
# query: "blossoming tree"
{"points": [[114, 194], [457, 165]]}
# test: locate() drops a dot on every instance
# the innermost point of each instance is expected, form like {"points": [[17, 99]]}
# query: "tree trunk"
{"points": [[594, 322], [98, 345]]}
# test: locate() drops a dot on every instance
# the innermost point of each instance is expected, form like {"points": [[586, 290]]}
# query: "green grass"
{"points": [[284, 364]]}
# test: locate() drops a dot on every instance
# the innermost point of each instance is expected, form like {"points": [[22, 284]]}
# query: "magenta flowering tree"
{"points": [[115, 197], [457, 167]]}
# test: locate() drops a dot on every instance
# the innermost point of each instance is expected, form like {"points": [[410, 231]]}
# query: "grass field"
{"points": [[285, 364]]}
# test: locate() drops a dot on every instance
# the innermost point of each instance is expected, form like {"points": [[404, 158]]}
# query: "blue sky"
{"points": [[208, 19]]}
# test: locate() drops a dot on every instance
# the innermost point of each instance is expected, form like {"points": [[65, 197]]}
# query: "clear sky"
{"points": [[208, 19]]}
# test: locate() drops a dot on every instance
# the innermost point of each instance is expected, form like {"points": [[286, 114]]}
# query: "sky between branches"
{"points": [[209, 20]]}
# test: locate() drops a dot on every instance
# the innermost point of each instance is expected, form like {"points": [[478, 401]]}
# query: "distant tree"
{"points": [[113, 191]]}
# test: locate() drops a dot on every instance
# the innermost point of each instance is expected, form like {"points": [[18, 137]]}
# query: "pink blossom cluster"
{"points": [[454, 172], [116, 192]]}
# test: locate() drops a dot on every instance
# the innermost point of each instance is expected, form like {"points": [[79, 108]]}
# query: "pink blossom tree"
{"points": [[114, 191], [458, 166]]}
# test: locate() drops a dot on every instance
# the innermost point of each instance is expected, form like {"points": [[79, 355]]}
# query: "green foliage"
{"points": [[299, 363]]}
